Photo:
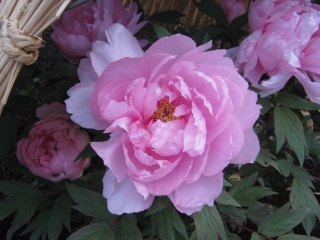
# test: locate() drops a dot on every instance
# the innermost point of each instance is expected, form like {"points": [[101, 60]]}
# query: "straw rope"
{"points": [[21, 25]]}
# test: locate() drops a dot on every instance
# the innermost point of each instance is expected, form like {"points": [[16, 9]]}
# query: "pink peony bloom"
{"points": [[79, 27], [233, 8], [284, 42], [178, 116], [53, 144]]}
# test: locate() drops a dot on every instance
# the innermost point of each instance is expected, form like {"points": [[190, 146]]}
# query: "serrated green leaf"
{"points": [[212, 9], [237, 215], [226, 199], [314, 147], [127, 229], [90, 203], [60, 215], [256, 236], [265, 158], [265, 103], [308, 222], [96, 231], [226, 183], [15, 188], [170, 16], [7, 207], [231, 236], [296, 237], [285, 167], [282, 221], [293, 101], [38, 226], [167, 219], [209, 224], [288, 126], [302, 196], [8, 136], [158, 204], [161, 31]]}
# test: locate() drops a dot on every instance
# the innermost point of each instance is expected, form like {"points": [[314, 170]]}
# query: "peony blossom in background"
{"points": [[178, 116], [233, 8], [284, 42], [53, 144], [76, 30]]}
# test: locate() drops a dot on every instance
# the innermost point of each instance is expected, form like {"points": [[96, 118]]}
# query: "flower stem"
{"points": [[316, 178], [246, 228]]}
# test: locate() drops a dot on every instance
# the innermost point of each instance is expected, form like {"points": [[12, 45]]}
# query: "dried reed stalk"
{"points": [[21, 25]]}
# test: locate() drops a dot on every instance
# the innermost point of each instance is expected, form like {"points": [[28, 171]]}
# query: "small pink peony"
{"points": [[233, 8], [79, 27], [53, 144], [284, 42], [178, 116]]}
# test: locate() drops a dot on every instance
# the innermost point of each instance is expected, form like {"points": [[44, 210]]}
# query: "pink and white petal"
{"points": [[249, 112], [198, 166], [111, 152], [312, 88], [78, 104], [123, 197], [172, 180], [175, 45], [86, 72], [249, 150], [237, 136], [189, 198], [220, 153]]}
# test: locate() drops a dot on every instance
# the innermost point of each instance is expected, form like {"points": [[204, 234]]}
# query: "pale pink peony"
{"points": [[233, 8], [53, 144], [284, 42], [178, 116], [79, 27]]}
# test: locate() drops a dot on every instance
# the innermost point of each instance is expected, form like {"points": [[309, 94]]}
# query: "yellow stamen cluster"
{"points": [[164, 112]]}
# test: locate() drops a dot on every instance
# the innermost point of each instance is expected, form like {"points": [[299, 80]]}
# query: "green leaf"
{"points": [[60, 215], [302, 196], [243, 184], [90, 203], [239, 22], [161, 31], [314, 143], [38, 226], [237, 215], [170, 16], [303, 175], [68, 69], [158, 204], [96, 231], [308, 222], [293, 101], [210, 31], [282, 221], [8, 136], [296, 237], [226, 199], [209, 224], [265, 158], [127, 229], [289, 127], [212, 9], [257, 213], [22, 105], [231, 236], [285, 167], [7, 207], [255, 236], [265, 103], [166, 220]]}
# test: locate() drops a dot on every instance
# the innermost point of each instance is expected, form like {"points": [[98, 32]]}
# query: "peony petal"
{"points": [[123, 197], [112, 155], [190, 198], [48, 109], [249, 150]]}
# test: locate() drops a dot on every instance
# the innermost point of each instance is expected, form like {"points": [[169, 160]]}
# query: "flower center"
{"points": [[164, 112]]}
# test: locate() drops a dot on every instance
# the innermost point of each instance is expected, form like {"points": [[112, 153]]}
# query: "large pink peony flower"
{"points": [[284, 42], [77, 28], [233, 8], [53, 144], [178, 116]]}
